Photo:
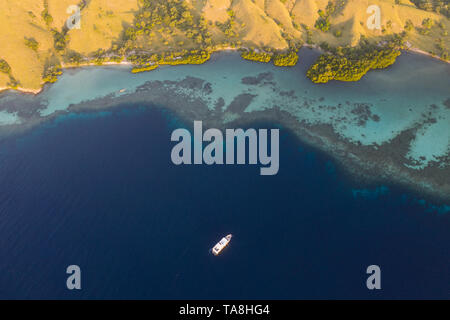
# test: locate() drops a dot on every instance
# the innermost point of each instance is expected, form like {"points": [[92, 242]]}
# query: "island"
{"points": [[41, 38]]}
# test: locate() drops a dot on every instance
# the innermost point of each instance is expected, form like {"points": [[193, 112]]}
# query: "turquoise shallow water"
{"points": [[99, 190], [409, 94]]}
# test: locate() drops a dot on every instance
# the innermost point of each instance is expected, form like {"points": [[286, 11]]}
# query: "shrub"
{"points": [[409, 26], [427, 23], [255, 55], [352, 64], [286, 59], [32, 43], [45, 15], [4, 67]]}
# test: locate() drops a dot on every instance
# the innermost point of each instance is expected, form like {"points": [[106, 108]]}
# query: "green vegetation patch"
{"points": [[60, 40], [45, 15], [147, 62], [438, 6], [52, 70], [350, 64], [229, 27], [138, 69], [286, 59], [32, 43], [323, 22], [4, 67], [166, 17], [256, 55]]}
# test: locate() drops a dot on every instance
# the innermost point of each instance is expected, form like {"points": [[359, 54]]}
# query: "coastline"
{"points": [[128, 63], [65, 66], [382, 161], [23, 90], [419, 51], [365, 163]]}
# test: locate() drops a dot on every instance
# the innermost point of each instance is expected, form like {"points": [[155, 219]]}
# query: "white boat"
{"points": [[217, 249]]}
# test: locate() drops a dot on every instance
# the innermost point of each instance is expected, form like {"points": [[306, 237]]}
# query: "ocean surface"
{"points": [[98, 190]]}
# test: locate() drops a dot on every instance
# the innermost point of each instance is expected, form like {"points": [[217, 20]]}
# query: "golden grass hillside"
{"points": [[35, 37], [102, 23], [216, 10]]}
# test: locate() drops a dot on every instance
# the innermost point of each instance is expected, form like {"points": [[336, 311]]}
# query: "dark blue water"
{"points": [[99, 191]]}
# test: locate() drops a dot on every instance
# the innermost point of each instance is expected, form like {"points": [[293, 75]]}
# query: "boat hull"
{"points": [[222, 244]]}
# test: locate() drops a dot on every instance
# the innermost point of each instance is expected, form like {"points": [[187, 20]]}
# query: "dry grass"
{"points": [[259, 23]]}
